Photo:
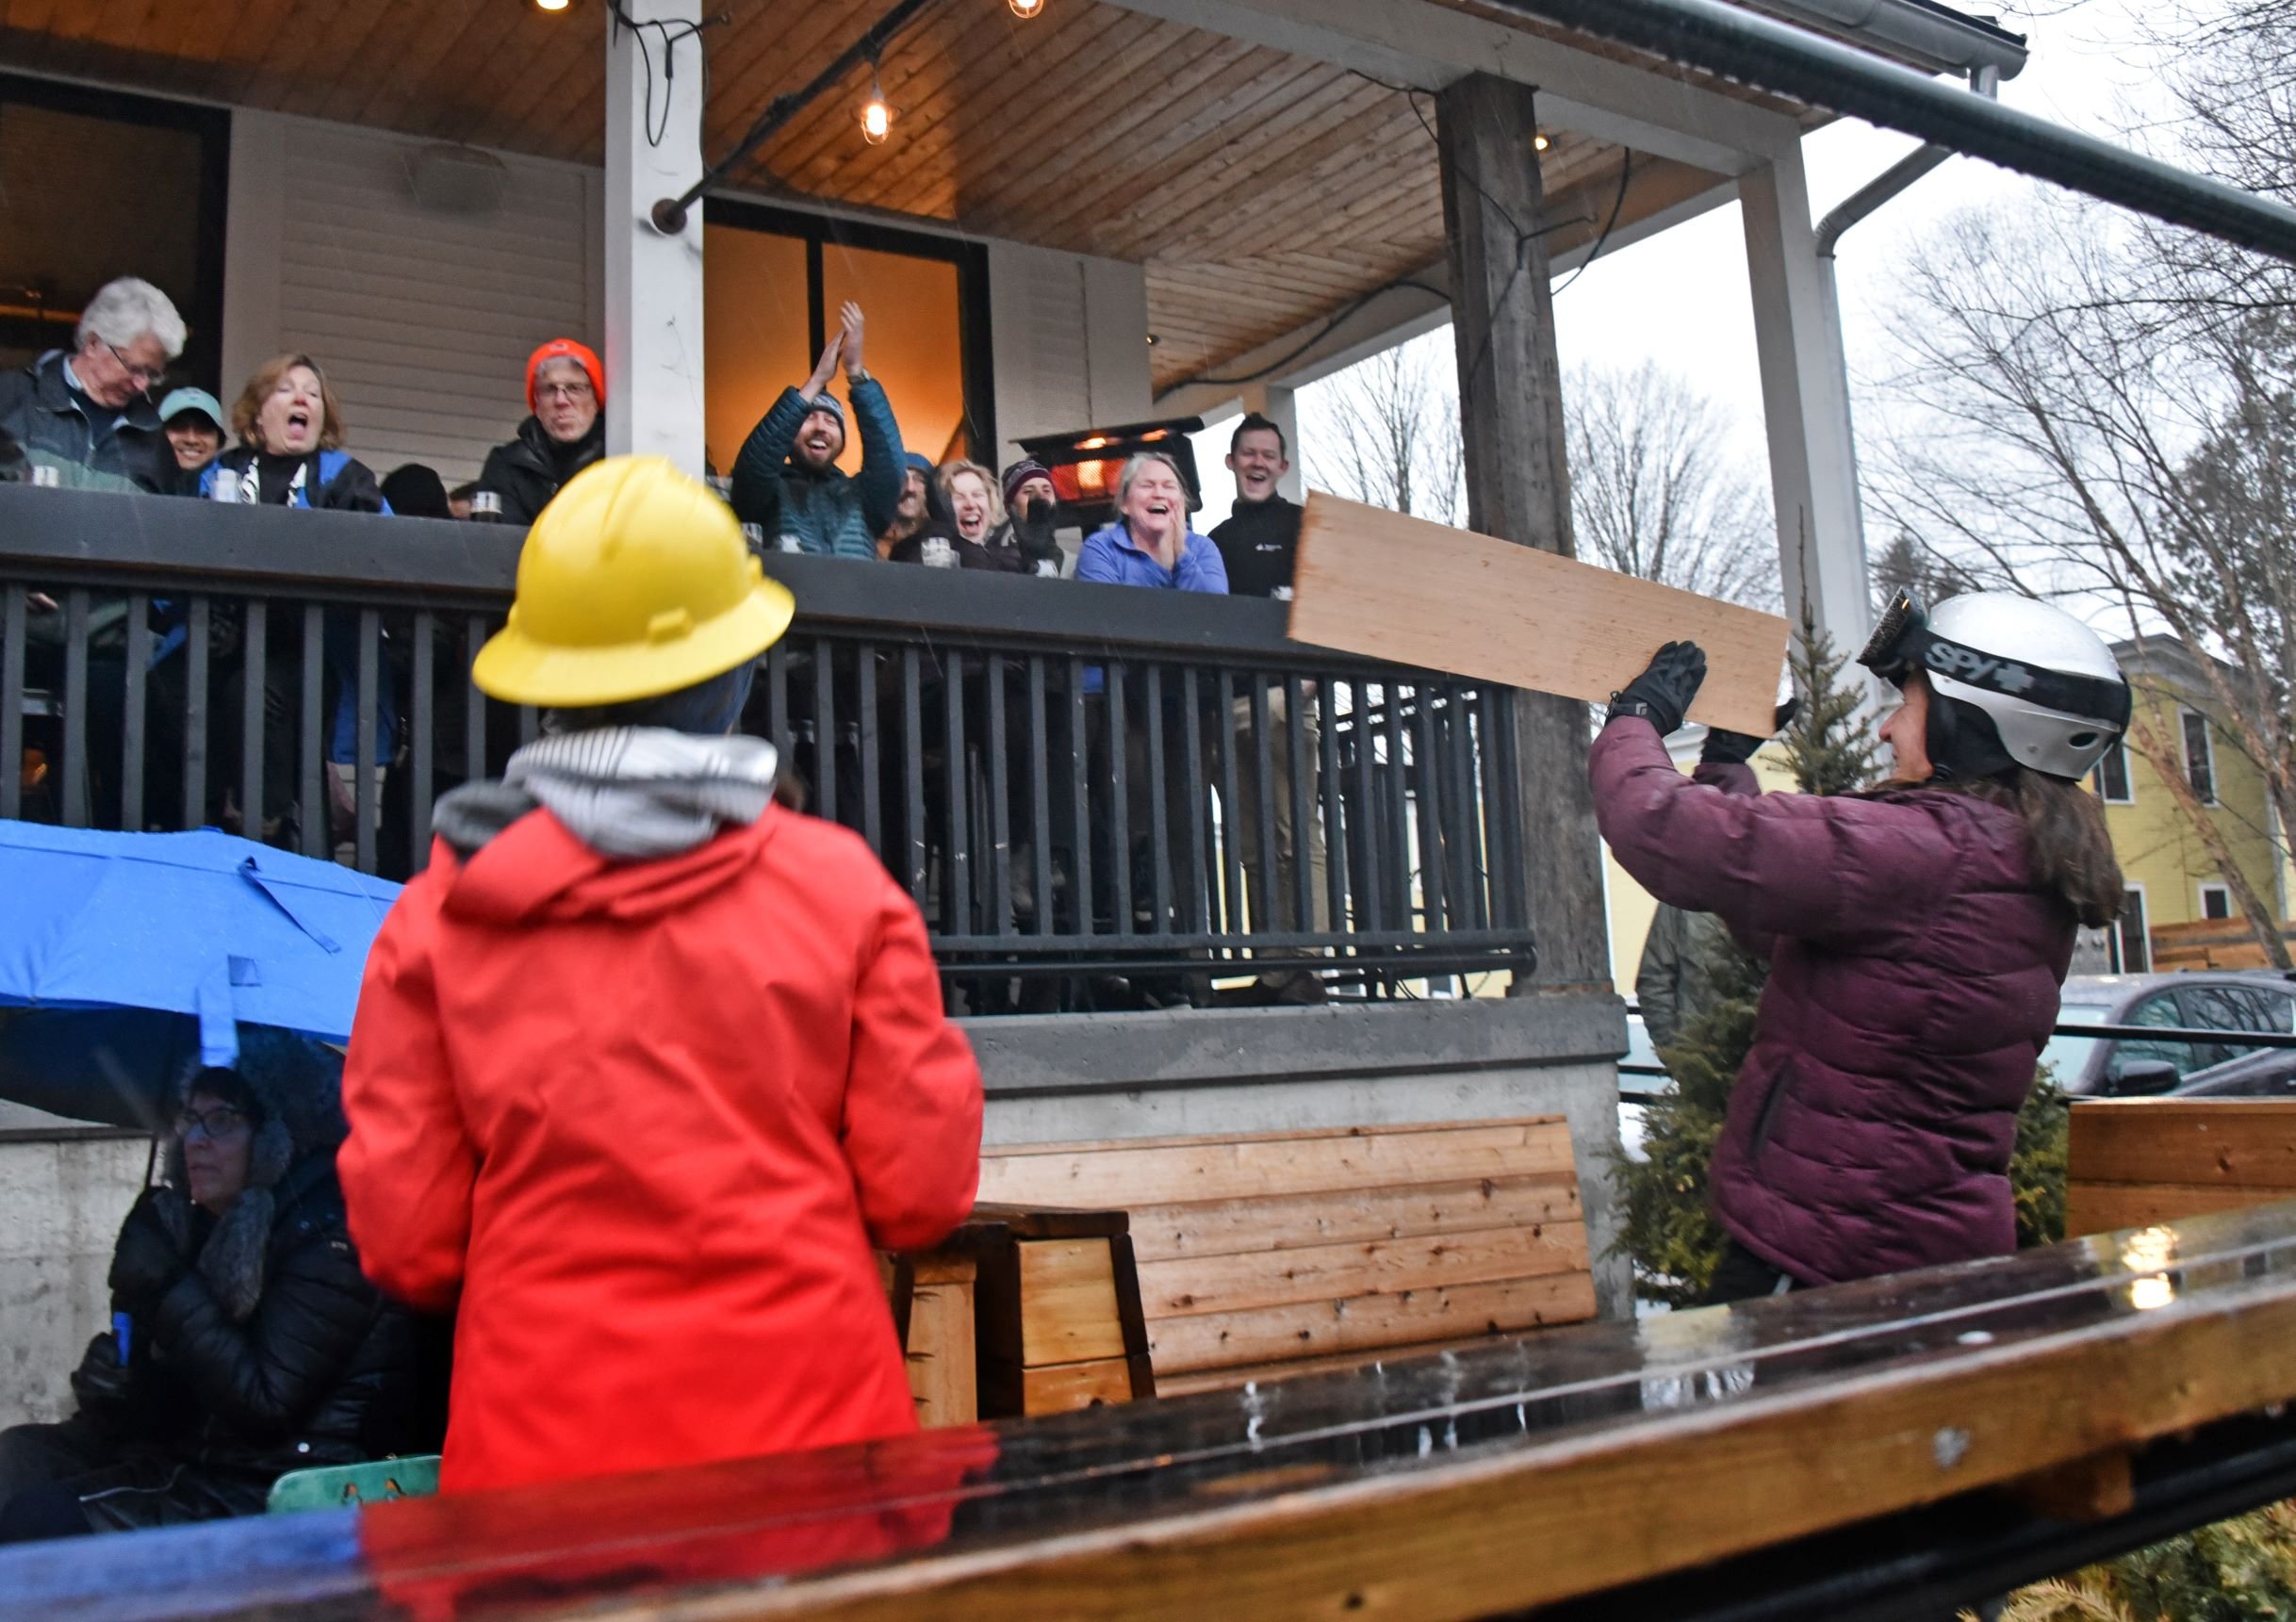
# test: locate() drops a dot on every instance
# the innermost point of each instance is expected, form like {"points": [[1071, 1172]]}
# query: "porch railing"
{"points": [[1069, 778]]}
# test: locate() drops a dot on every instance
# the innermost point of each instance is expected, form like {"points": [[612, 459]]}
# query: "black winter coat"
{"points": [[322, 1373], [50, 426], [527, 470]]}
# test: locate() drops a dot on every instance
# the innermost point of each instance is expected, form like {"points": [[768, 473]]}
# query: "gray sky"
{"points": [[1681, 300]]}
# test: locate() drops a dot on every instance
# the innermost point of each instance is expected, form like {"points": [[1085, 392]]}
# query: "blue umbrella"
{"points": [[130, 952]]}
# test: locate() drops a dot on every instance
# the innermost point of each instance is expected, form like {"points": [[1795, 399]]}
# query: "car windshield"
{"points": [[2067, 1057]]}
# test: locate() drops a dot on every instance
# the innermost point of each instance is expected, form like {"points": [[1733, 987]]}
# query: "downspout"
{"points": [[1867, 200]]}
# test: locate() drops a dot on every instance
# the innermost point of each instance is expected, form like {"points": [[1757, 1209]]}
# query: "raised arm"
{"points": [[885, 467], [757, 469]]}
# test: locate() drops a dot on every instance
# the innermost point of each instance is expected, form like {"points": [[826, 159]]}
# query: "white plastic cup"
{"points": [[1281, 594], [792, 544], [485, 506], [1047, 569], [46, 478], [755, 535], [227, 487]]}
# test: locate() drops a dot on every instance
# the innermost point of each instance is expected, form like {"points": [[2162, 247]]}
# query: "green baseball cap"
{"points": [[182, 400]]}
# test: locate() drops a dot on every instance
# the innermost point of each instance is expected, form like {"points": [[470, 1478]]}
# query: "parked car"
{"points": [[2268, 1072], [2227, 1001]]}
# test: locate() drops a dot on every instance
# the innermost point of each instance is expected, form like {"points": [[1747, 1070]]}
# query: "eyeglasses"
{"points": [[141, 376], [221, 1121], [569, 391]]}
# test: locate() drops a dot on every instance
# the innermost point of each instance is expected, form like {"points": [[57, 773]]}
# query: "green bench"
{"points": [[336, 1485]]}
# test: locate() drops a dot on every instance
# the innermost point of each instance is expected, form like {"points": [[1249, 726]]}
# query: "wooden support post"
{"points": [[1518, 485]]}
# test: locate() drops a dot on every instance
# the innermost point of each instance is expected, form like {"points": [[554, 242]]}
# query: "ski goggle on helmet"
{"points": [[2015, 682]]}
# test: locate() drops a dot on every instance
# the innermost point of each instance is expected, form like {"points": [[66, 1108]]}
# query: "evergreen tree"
{"points": [[1829, 744]]}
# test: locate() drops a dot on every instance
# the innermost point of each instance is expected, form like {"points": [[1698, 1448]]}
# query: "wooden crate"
{"points": [[2138, 1162], [2213, 944], [1273, 1254]]}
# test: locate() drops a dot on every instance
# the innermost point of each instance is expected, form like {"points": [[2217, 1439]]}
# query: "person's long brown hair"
{"points": [[2065, 839]]}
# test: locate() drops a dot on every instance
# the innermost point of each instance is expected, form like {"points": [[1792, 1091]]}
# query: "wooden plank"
{"points": [[1293, 1135], [940, 1347], [1357, 1270], [1291, 1369], [1224, 1228], [1220, 1170], [1068, 1302], [1067, 1385], [2107, 1208], [2227, 1142], [1388, 586], [1311, 1329], [1614, 1507]]}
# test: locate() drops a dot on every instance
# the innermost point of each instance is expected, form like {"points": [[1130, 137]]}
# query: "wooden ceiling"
{"points": [[1261, 191]]}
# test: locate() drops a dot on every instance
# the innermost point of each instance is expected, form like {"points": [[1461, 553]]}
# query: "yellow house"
{"points": [[2171, 878]]}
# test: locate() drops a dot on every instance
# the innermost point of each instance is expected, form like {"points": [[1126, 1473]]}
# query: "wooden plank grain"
{"points": [[2107, 1208], [940, 1347], [1067, 1385], [1312, 1329], [1225, 1227], [1357, 1270], [1216, 1170], [2232, 1143], [1069, 1311], [1388, 586]]}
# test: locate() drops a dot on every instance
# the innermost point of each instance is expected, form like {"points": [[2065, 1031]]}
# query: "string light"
{"points": [[553, 4], [1027, 9], [877, 117], [1539, 142]]}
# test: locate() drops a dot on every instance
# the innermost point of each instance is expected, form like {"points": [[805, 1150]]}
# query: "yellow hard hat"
{"points": [[633, 581]]}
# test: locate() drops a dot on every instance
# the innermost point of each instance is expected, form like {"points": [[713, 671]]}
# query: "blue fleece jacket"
{"points": [[1111, 557]]}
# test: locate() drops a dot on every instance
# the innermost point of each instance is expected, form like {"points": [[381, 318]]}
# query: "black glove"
{"points": [[147, 1259], [1662, 695], [1736, 748]]}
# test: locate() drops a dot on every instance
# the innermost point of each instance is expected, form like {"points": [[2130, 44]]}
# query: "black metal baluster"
{"points": [[254, 668], [1079, 752], [1120, 798], [1303, 846], [1231, 852], [474, 705], [996, 781], [956, 863], [1469, 876], [195, 714], [1264, 890], [825, 729], [873, 803], [913, 774], [1330, 804], [530, 724], [1040, 796], [1159, 831], [132, 718], [366, 798], [776, 702], [1362, 825], [1429, 772], [1396, 778], [421, 722], [74, 763], [318, 818], [13, 603], [1196, 920]]}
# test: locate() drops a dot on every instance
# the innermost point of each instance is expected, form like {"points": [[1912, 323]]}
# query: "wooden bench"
{"points": [[2136, 1162], [1280, 1252]]}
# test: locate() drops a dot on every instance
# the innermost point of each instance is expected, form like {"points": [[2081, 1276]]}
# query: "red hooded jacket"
{"points": [[645, 1121]]}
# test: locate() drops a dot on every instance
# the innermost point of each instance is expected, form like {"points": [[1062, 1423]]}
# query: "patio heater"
{"points": [[1083, 465]]}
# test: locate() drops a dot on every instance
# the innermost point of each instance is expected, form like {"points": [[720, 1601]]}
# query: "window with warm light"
{"points": [[773, 281]]}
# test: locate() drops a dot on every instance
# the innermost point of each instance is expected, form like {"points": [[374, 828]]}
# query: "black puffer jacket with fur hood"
{"points": [[269, 1351]]}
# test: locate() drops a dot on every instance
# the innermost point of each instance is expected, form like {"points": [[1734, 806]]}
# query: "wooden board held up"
{"points": [[1410, 592]]}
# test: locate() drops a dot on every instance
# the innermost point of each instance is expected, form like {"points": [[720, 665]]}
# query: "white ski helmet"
{"points": [[2020, 683]]}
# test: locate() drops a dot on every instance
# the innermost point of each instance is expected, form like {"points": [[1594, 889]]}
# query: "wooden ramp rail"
{"points": [[1283, 1252], [2133, 1162], [1521, 1474]]}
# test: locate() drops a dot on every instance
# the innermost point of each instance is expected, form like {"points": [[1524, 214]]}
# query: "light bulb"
{"points": [[1540, 143], [551, 5], [1026, 8], [876, 121]]}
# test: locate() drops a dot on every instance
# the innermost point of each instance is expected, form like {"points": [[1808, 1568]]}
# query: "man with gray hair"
{"points": [[89, 412]]}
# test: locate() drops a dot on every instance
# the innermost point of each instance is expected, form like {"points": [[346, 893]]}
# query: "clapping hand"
{"points": [[850, 335], [824, 369]]}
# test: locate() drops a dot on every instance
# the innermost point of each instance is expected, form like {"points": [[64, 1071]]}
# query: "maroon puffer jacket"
{"points": [[1914, 971]]}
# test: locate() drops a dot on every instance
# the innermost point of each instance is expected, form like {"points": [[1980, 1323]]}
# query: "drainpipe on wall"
{"points": [[1865, 201]]}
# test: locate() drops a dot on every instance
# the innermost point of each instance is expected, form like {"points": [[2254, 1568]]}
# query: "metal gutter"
{"points": [[1931, 36], [1823, 72]]}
